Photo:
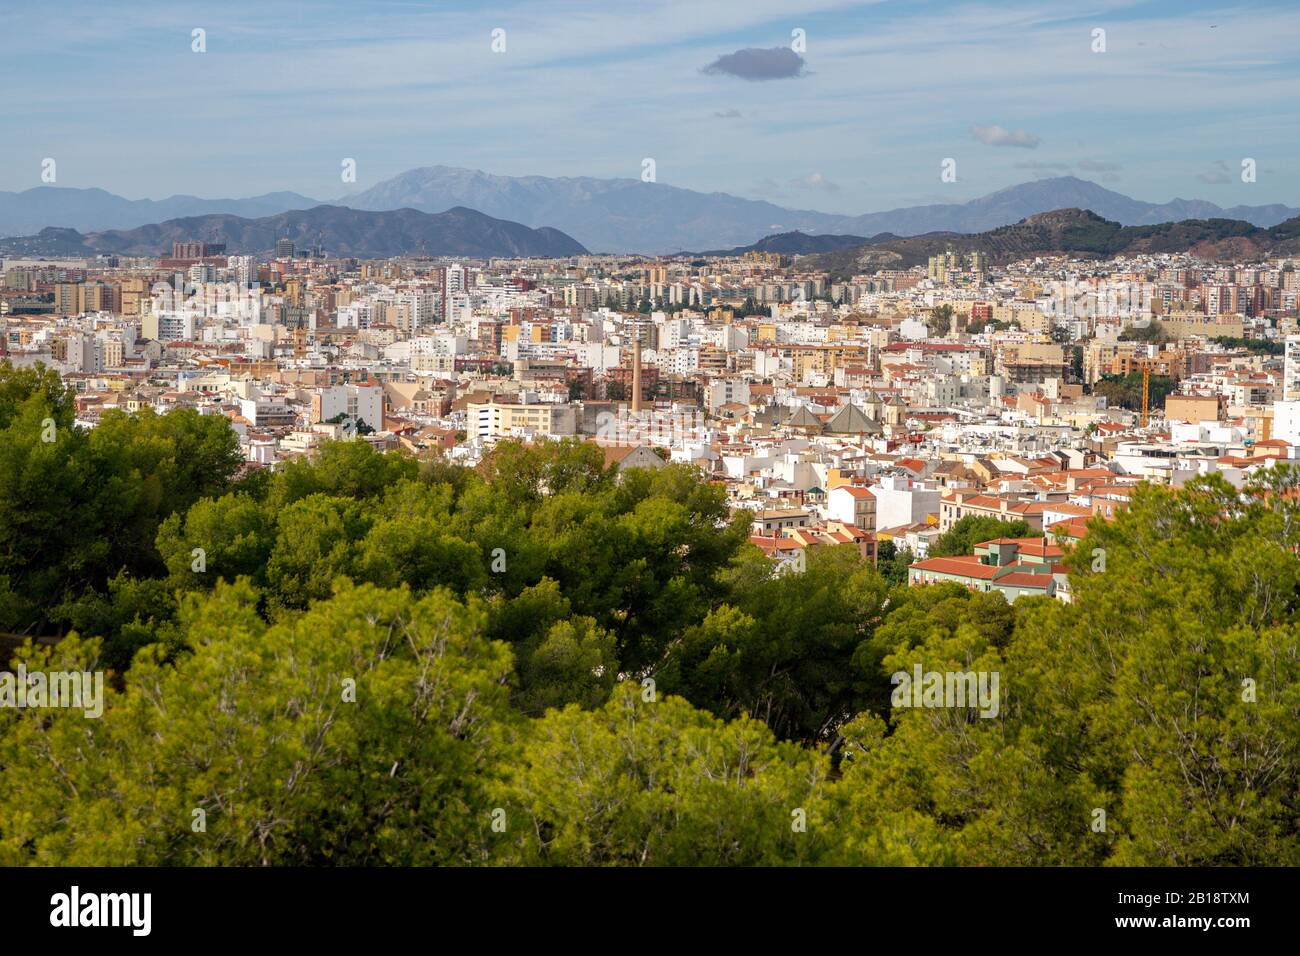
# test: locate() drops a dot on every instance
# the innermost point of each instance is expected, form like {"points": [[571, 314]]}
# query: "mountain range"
{"points": [[1078, 232], [341, 231], [623, 215], [88, 210]]}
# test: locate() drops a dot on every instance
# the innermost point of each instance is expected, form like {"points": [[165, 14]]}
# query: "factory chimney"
{"points": [[636, 375]]}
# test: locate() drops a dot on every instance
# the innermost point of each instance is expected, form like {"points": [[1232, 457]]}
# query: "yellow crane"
{"points": [[1146, 392]]}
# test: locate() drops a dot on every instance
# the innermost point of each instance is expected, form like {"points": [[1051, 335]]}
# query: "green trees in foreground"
{"points": [[541, 662]]}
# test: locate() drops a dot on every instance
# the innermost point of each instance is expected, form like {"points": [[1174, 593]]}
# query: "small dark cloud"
{"points": [[778, 63], [1043, 167], [998, 136], [1216, 175], [727, 114]]}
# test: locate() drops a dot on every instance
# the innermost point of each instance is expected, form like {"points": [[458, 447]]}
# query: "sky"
{"points": [[831, 105]]}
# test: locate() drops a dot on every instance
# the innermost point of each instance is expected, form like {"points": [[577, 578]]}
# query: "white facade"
{"points": [[1286, 420], [358, 402], [1291, 370], [901, 501]]}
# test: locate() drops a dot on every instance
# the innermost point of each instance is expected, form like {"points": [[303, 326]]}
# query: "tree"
{"points": [[314, 548], [1254, 346], [78, 507], [893, 562], [940, 321], [371, 730], [1151, 332], [1125, 391], [648, 780], [350, 469], [234, 533], [20, 385], [971, 530], [546, 661], [1190, 721], [782, 651]]}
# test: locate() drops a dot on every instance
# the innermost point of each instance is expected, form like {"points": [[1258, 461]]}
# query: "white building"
{"points": [[360, 403], [853, 505], [1291, 370], [169, 326], [901, 500]]}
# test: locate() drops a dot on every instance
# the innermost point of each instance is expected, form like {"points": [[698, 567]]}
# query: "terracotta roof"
{"points": [[967, 566], [857, 491], [1034, 546], [1075, 528], [1024, 579]]}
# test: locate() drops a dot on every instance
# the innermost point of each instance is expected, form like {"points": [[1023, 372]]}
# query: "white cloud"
{"points": [[998, 136]]}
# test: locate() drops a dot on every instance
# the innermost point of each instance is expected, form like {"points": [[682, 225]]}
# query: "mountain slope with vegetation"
{"points": [[340, 231], [1076, 232]]}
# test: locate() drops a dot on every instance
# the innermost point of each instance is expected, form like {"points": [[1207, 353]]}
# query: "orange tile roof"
{"points": [[967, 566], [1024, 579]]}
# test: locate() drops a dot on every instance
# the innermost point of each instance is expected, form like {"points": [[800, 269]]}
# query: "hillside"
{"points": [[341, 231], [798, 243], [1078, 232]]}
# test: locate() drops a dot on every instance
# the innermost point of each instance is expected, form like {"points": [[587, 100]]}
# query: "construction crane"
{"points": [[1146, 392]]}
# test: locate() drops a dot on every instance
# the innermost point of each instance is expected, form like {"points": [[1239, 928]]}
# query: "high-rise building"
{"points": [[284, 249], [244, 271], [196, 250], [636, 376], [68, 298], [168, 326], [948, 262], [1291, 370]]}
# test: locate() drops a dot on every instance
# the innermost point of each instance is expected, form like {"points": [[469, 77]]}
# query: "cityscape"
{"points": [[521, 510]]}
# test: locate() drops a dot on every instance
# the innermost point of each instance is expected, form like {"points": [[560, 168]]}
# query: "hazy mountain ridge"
{"points": [[624, 215], [619, 215], [342, 232], [90, 210]]}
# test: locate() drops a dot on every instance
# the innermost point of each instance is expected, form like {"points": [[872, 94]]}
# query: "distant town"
{"points": [[877, 409]]}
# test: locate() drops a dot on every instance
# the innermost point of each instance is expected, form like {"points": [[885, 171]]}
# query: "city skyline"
{"points": [[717, 97], [834, 434]]}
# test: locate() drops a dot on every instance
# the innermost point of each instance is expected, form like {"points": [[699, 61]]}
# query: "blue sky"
{"points": [[887, 90]]}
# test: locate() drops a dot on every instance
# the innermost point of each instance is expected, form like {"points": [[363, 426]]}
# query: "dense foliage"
{"points": [[971, 530], [544, 662], [1125, 391], [1254, 346]]}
